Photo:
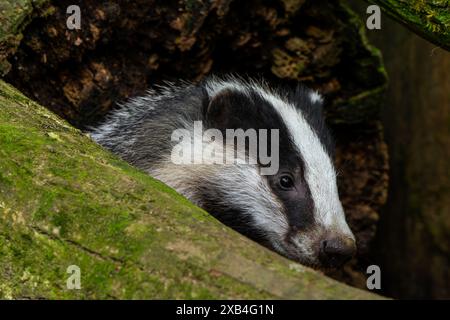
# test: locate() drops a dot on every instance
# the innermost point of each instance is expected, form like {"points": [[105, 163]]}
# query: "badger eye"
{"points": [[286, 182]]}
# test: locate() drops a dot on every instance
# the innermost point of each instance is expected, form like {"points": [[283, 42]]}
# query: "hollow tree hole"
{"points": [[123, 48]]}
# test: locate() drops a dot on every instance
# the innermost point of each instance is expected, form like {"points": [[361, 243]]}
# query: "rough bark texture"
{"points": [[57, 207], [123, 48], [65, 201], [14, 16], [416, 223], [429, 19]]}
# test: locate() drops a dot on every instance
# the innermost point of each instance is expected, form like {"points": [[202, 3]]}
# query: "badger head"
{"points": [[296, 211]]}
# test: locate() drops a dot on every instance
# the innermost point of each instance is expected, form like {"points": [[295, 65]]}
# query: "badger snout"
{"points": [[334, 251]]}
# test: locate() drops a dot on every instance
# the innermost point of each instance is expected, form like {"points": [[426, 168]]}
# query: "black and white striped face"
{"points": [[296, 211]]}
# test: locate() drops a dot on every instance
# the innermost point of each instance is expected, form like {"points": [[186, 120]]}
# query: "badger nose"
{"points": [[334, 252]]}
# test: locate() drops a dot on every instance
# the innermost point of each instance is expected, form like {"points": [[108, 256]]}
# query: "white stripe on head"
{"points": [[319, 169]]}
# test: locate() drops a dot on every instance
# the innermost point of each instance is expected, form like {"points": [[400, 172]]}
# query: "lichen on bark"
{"points": [[429, 19]]}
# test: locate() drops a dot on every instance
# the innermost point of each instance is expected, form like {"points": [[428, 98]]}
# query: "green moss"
{"points": [[66, 201], [362, 105], [430, 19]]}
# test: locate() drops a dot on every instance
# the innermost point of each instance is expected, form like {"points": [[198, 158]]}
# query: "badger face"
{"points": [[296, 211]]}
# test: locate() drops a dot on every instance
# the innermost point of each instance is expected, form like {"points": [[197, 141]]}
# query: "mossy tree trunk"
{"points": [[65, 201], [429, 19], [125, 47]]}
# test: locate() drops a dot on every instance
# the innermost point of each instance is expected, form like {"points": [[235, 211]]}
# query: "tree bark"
{"points": [[415, 225], [65, 201], [429, 19], [80, 74], [125, 47]]}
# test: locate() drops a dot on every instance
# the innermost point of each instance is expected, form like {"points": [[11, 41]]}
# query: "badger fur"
{"points": [[295, 211]]}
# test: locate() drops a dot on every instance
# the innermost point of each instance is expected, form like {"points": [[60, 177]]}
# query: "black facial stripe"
{"points": [[302, 217], [236, 109], [239, 110], [313, 114], [301, 214], [245, 110]]}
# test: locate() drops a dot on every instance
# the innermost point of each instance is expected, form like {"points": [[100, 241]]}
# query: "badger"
{"points": [[294, 211]]}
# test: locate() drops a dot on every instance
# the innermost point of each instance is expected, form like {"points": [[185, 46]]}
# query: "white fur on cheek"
{"points": [[319, 170], [238, 184]]}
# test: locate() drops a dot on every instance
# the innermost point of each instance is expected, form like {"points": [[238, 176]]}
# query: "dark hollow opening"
{"points": [[123, 48]]}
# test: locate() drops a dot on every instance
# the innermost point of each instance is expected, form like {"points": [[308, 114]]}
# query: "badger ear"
{"points": [[227, 108], [309, 101]]}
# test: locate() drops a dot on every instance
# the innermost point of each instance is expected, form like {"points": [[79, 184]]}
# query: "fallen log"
{"points": [[65, 201]]}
